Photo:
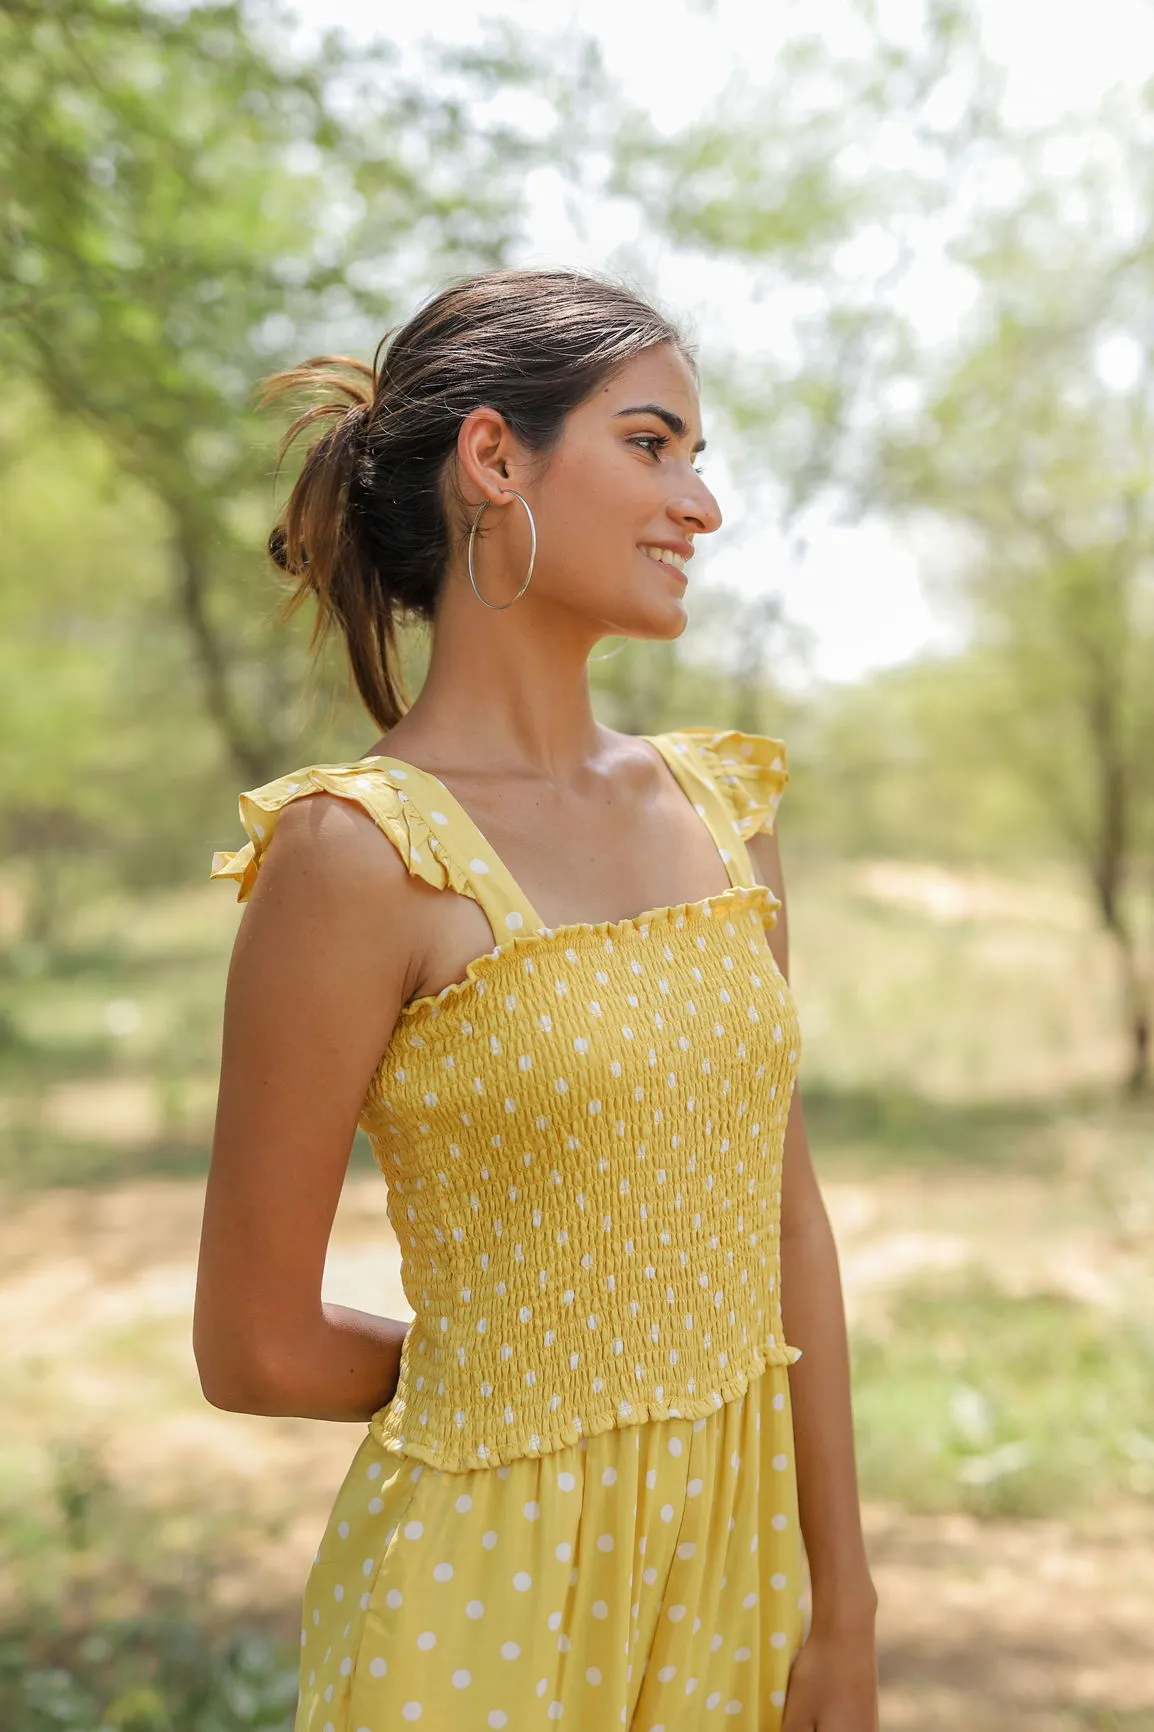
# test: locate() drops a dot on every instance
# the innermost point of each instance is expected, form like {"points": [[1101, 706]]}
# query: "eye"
{"points": [[656, 443]]}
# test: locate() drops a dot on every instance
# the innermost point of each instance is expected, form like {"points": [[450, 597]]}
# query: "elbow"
{"points": [[237, 1379]]}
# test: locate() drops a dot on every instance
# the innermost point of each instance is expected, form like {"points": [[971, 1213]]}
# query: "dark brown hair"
{"points": [[366, 529]]}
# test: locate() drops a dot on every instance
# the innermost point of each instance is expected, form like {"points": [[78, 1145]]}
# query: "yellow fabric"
{"points": [[582, 1139], [648, 1577], [530, 1530]]}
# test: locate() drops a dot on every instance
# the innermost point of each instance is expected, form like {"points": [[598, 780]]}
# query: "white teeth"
{"points": [[666, 556]]}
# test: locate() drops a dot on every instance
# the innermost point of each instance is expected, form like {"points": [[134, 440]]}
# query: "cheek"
{"points": [[597, 496]]}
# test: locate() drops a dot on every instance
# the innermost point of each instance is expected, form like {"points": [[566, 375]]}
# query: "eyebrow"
{"points": [[673, 422]]}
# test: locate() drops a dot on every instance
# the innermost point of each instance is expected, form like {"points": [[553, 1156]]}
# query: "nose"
{"points": [[696, 513]]}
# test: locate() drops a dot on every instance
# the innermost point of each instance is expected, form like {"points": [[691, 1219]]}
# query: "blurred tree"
{"points": [[1035, 436], [188, 205], [191, 201]]}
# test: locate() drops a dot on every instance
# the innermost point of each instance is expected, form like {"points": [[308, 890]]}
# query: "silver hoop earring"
{"points": [[498, 606], [609, 654]]}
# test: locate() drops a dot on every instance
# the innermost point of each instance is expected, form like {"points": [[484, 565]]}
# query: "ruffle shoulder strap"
{"points": [[750, 771], [374, 787]]}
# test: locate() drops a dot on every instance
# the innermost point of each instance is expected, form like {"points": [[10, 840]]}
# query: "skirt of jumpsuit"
{"points": [[649, 1576]]}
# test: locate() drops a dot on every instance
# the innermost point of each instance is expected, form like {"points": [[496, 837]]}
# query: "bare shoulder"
{"points": [[323, 834], [334, 886]]}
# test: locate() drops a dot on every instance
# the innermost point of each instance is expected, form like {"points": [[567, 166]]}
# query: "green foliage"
{"points": [[112, 1621], [971, 1399], [164, 1672]]}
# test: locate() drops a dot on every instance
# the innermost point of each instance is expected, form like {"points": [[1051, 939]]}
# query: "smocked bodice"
{"points": [[582, 1138]]}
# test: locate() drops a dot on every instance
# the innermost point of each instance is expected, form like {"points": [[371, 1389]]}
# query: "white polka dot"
{"points": [[675, 1446], [442, 1572], [414, 1530], [338, 1592], [463, 1503], [532, 1510], [778, 1639], [411, 1711], [346, 1666], [686, 1549], [592, 1675], [667, 1512], [693, 1487], [378, 1668], [605, 1542], [522, 1581], [375, 1506], [780, 1462], [564, 1552], [742, 1653], [600, 1609], [649, 1575], [510, 1651], [462, 1678], [343, 1530], [489, 1539], [608, 1476], [514, 921], [777, 1580], [498, 1717], [438, 817], [780, 1521], [474, 1609], [566, 1481], [676, 1613], [733, 1706], [555, 1710], [666, 1673], [749, 1600], [713, 1699], [426, 1639], [394, 1598], [478, 866], [779, 1401], [777, 1697], [374, 1470]]}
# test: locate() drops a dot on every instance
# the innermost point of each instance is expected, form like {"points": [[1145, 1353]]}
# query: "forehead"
{"points": [[657, 375]]}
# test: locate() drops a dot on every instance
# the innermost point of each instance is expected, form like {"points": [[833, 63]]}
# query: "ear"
{"points": [[488, 453]]}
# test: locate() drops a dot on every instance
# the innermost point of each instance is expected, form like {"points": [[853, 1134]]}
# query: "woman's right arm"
{"points": [[320, 969]]}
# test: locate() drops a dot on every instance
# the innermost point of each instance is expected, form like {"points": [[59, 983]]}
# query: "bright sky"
{"points": [[859, 595]]}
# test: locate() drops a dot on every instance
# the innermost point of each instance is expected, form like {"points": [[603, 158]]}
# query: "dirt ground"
{"points": [[1038, 1626]]}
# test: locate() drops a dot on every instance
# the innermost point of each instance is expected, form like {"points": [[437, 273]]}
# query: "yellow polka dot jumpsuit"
{"points": [[580, 1503]]}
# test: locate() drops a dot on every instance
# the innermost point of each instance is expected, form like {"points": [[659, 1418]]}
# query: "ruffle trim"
{"points": [[584, 932], [750, 771], [367, 784], [384, 1426]]}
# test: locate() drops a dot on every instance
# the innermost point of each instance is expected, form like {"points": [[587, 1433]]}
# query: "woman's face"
{"points": [[623, 480]]}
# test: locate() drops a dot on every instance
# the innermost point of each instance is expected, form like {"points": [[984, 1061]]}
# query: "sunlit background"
{"points": [[913, 244]]}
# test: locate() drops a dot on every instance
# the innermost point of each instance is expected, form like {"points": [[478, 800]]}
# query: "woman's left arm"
{"points": [[833, 1686]]}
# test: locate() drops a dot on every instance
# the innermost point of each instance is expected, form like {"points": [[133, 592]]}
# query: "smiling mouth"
{"points": [[667, 560]]}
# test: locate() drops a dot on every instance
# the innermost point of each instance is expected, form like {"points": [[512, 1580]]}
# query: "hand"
{"points": [[833, 1684]]}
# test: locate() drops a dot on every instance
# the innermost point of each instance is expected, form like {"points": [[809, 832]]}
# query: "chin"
{"points": [[655, 625]]}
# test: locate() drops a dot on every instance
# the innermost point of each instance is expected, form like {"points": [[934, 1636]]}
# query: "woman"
{"points": [[543, 964]]}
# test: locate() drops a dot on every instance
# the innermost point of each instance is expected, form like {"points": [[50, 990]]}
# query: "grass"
{"points": [[971, 1399]]}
